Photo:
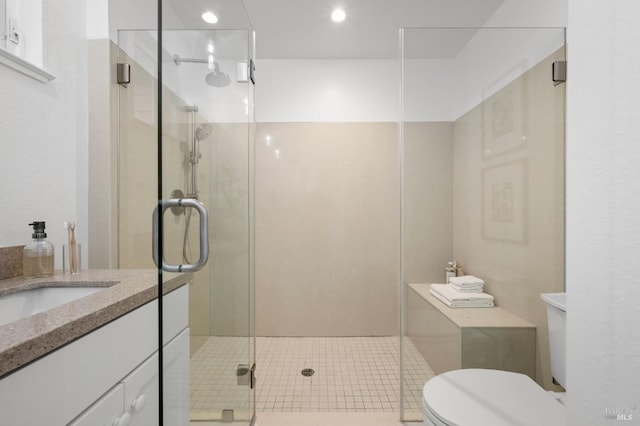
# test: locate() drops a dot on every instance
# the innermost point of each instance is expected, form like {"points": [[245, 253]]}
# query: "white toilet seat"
{"points": [[480, 397]]}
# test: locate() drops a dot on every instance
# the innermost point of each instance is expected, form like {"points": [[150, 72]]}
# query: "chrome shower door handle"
{"points": [[204, 235]]}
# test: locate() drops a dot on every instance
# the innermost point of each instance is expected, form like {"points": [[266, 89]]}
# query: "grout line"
{"points": [[352, 374]]}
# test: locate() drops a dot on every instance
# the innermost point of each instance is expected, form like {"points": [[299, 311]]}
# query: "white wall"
{"points": [[43, 129], [327, 90], [494, 58], [353, 90], [435, 90], [97, 19], [603, 224], [525, 13], [428, 88], [28, 14]]}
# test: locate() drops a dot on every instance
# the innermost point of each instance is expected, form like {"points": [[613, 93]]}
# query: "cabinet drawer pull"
{"points": [[138, 404], [123, 420]]}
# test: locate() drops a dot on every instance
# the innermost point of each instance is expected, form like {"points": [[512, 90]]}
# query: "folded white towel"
{"points": [[467, 289], [466, 280], [462, 304], [452, 295]]}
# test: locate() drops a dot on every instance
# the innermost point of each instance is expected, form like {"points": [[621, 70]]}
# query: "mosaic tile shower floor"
{"points": [[351, 374]]}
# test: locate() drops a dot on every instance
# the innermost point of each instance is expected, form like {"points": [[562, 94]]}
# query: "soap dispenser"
{"points": [[37, 259]]}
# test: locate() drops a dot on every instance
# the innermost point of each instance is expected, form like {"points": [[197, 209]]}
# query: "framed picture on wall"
{"points": [[504, 124], [504, 202]]}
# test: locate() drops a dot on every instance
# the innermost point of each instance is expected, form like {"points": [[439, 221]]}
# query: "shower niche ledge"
{"points": [[450, 339]]}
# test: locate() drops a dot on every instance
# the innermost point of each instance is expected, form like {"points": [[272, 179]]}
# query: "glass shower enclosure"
{"points": [[482, 135], [184, 97]]}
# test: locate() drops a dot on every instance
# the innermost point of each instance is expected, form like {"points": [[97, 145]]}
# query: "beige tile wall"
{"points": [[428, 201], [508, 205], [224, 183], [327, 233], [103, 156]]}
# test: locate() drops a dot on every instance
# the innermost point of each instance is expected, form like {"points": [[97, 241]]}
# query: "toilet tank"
{"points": [[557, 321]]}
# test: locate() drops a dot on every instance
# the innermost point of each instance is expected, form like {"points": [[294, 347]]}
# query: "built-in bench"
{"points": [[454, 338]]}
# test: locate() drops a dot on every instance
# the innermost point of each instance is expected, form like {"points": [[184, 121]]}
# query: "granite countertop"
{"points": [[28, 339]]}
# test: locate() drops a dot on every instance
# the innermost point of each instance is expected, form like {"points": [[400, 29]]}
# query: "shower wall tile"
{"points": [[137, 189], [224, 185], [327, 229], [428, 201], [508, 205], [103, 155]]}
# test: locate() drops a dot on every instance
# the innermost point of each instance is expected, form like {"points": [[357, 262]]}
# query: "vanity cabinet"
{"points": [[135, 401], [107, 411], [109, 374]]}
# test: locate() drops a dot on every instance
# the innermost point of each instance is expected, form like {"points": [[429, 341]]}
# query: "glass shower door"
{"points": [[210, 132], [185, 132], [483, 185]]}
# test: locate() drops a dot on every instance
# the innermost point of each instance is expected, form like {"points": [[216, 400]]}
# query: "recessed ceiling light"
{"points": [[209, 17], [338, 15]]}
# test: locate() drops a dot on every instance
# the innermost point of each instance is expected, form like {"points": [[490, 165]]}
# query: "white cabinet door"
{"points": [[141, 397], [107, 411], [141, 387], [86, 369]]}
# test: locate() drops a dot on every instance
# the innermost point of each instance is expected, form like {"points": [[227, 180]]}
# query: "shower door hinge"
{"points": [[252, 385], [559, 72], [252, 71], [245, 375], [123, 74]]}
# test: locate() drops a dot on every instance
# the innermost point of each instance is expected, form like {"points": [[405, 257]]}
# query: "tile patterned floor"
{"points": [[328, 419], [352, 375], [416, 373], [213, 378]]}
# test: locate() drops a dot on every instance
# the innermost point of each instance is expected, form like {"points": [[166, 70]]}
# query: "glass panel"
{"points": [[138, 156], [483, 185], [327, 258], [3, 24], [206, 147], [209, 113], [207, 157]]}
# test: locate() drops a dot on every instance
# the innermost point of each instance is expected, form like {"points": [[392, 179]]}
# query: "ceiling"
{"points": [[302, 29]]}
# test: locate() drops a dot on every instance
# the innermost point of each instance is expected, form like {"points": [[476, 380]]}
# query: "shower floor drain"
{"points": [[307, 372]]}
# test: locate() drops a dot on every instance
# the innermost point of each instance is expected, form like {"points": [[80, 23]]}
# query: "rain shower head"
{"points": [[204, 131], [217, 78]]}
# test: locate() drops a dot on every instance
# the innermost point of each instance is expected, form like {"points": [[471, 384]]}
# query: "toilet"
{"points": [[482, 397]]}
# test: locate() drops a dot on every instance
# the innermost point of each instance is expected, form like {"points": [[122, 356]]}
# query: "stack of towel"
{"points": [[467, 284], [462, 292]]}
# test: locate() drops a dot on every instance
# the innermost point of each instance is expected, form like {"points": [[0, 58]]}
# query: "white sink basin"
{"points": [[25, 303]]}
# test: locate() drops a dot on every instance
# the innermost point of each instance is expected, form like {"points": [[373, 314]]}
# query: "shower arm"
{"points": [[178, 60]]}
